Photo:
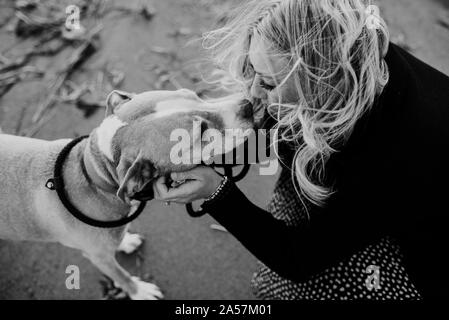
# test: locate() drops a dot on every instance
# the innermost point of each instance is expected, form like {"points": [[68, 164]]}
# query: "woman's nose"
{"points": [[256, 90]]}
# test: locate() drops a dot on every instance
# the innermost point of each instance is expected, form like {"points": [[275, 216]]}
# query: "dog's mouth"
{"points": [[146, 194]]}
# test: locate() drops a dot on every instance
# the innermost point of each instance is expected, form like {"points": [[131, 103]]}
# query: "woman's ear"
{"points": [[135, 179], [115, 99]]}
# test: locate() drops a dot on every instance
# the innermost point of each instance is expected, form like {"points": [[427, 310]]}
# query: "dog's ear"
{"points": [[115, 99], [135, 179]]}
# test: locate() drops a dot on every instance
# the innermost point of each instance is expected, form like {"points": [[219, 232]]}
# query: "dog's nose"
{"points": [[246, 109]]}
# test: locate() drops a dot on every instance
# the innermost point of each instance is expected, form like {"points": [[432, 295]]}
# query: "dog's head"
{"points": [[136, 133]]}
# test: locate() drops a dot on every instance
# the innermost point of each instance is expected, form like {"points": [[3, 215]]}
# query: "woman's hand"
{"points": [[200, 183]]}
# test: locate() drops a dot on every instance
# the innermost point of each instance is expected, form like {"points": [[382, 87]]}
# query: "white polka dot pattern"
{"points": [[345, 281]]}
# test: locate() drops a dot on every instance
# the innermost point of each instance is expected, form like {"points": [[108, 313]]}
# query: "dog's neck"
{"points": [[98, 168], [87, 182], [98, 155]]}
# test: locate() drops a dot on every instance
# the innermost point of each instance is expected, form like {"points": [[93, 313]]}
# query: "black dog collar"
{"points": [[57, 183]]}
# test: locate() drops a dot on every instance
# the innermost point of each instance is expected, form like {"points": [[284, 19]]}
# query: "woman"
{"points": [[358, 209]]}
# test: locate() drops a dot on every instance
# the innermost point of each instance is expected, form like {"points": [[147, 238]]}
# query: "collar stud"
{"points": [[50, 184]]}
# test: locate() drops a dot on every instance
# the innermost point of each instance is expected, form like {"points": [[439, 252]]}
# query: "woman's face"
{"points": [[269, 74]]}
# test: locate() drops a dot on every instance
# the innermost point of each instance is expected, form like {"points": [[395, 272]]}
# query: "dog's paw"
{"points": [[130, 243], [146, 291]]}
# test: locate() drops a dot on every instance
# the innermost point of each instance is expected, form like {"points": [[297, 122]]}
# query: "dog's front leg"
{"points": [[130, 243], [136, 288]]}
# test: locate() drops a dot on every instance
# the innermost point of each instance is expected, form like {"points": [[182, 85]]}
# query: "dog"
{"points": [[106, 175]]}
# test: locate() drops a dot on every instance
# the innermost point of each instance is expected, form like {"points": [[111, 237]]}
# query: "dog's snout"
{"points": [[246, 110]]}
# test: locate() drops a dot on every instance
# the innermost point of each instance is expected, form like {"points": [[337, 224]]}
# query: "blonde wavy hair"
{"points": [[336, 60]]}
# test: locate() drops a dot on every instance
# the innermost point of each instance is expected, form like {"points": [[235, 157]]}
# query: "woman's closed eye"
{"points": [[266, 86]]}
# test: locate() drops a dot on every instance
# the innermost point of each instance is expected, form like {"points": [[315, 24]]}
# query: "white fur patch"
{"points": [[130, 243], [105, 133]]}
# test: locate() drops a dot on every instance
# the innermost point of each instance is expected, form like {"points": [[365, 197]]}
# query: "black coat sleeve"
{"points": [[295, 253]]}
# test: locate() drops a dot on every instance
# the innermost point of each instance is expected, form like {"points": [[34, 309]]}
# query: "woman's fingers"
{"points": [[160, 188], [184, 192], [185, 175], [180, 194], [198, 183]]}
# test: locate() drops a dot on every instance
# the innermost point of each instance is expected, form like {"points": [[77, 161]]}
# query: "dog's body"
{"points": [[104, 176]]}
